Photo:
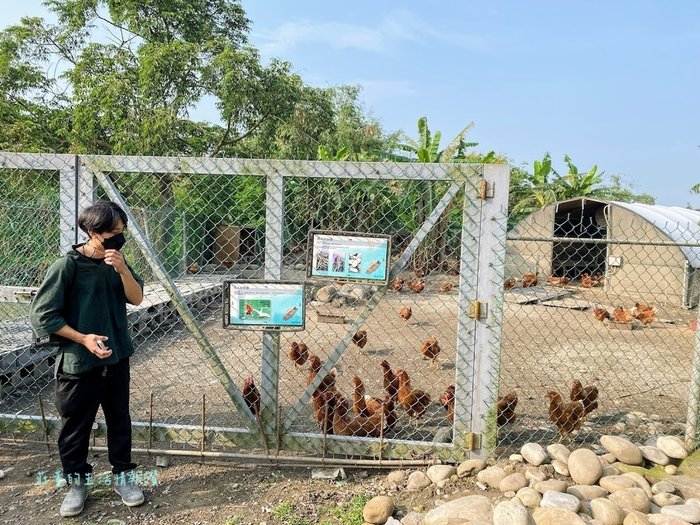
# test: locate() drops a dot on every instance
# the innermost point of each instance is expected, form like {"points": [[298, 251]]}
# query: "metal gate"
{"points": [[196, 222]]}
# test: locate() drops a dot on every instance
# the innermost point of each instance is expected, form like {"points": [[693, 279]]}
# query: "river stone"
{"points": [[378, 509], [654, 454], [693, 501], [550, 485], [510, 513], [492, 476], [560, 500], [584, 467], [587, 492], [535, 475], [672, 446], [659, 519], [631, 499], [529, 497], [534, 454], [560, 467], [607, 459], [672, 470], [624, 450], [664, 499], [636, 518], [607, 512], [471, 467], [513, 482], [615, 483], [437, 473], [640, 482], [417, 480], [610, 470], [396, 477], [326, 293], [468, 509], [554, 516], [515, 458], [413, 518], [689, 513], [559, 451], [663, 486]]}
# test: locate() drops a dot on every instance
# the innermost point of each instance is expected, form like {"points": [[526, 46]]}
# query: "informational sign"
{"points": [[349, 256], [264, 304]]}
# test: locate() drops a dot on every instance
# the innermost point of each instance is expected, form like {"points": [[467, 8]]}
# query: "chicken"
{"points": [[529, 280], [345, 424], [193, 268], [421, 272], [299, 353], [374, 405], [430, 349], [390, 381], [251, 395], [360, 338], [566, 416], [328, 382], [639, 307], [397, 284], [644, 314], [509, 283], [416, 286], [598, 279], [558, 281], [319, 403], [447, 400], [413, 400], [588, 395], [446, 286], [622, 315], [359, 403], [587, 281], [405, 313], [505, 408], [601, 313]]}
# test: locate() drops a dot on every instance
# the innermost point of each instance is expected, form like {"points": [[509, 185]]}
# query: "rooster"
{"points": [[505, 408], [567, 417], [251, 395], [397, 284], [447, 400], [390, 381], [601, 314], [405, 313], [509, 283], [588, 395], [530, 279], [430, 349], [413, 400], [299, 353], [622, 315], [360, 338]]}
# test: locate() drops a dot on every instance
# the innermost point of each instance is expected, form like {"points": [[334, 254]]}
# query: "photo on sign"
{"points": [[263, 304], [349, 256]]}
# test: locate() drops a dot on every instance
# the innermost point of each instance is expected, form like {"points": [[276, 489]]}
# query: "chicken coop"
{"points": [[643, 250]]}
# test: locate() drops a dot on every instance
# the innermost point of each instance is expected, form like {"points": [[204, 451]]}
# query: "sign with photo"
{"points": [[349, 256], [264, 304]]}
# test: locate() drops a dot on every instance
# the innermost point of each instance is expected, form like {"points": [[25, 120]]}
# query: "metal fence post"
{"points": [[487, 333], [274, 224], [69, 206], [691, 425]]}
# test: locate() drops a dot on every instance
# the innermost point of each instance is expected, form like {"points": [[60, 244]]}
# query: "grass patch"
{"points": [[285, 513], [349, 514]]}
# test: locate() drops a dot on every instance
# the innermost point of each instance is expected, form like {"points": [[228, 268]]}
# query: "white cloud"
{"points": [[397, 27]]}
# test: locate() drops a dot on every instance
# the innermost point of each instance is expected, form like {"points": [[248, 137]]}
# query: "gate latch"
{"points": [[472, 441], [477, 310], [485, 190]]}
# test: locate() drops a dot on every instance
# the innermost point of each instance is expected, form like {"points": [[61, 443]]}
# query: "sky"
{"points": [[612, 84]]}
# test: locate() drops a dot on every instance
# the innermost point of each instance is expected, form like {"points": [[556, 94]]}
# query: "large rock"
{"points": [[471, 467], [584, 467], [529, 497], [553, 516], [492, 476], [326, 294], [615, 483], [558, 451], [378, 509], [438, 473], [587, 492], [554, 485], [560, 467], [513, 482], [534, 454], [640, 482], [664, 499], [672, 446], [689, 513], [417, 480], [535, 475], [413, 518], [631, 499], [510, 513], [396, 477], [560, 500], [654, 454], [663, 486], [636, 518], [469, 509], [624, 450], [607, 512]]}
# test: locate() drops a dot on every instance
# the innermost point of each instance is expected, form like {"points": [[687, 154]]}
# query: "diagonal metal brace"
{"points": [[179, 301], [396, 269]]}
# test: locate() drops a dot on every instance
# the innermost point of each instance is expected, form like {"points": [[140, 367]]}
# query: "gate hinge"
{"points": [[472, 441], [485, 190], [478, 310]]}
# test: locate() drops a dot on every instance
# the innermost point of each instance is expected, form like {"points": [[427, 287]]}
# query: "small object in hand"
{"points": [[101, 345]]}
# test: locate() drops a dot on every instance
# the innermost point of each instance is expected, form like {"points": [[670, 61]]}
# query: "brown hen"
{"points": [[567, 417], [588, 395], [413, 400]]}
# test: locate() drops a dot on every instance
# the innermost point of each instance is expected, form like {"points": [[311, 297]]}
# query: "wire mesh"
{"points": [[196, 223]]}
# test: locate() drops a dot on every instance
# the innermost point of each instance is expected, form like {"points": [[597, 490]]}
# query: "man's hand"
{"points": [[116, 260], [94, 343]]}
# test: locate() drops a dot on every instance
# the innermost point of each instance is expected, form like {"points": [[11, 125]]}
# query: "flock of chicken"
{"points": [[643, 313], [531, 279]]}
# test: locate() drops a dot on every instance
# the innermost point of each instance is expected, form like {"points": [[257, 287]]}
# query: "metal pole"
{"points": [[691, 427]]}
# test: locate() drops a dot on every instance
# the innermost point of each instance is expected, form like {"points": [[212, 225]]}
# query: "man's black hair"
{"points": [[102, 216]]}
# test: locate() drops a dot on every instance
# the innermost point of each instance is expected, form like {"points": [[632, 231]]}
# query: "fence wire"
{"points": [[404, 389]]}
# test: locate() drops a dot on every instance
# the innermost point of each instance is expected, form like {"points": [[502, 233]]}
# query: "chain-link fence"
{"points": [[600, 308], [374, 380]]}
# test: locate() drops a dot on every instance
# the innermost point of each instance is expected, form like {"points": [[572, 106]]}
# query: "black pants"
{"points": [[78, 397]]}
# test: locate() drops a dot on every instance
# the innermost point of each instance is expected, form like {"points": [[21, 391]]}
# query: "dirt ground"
{"points": [[210, 492]]}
